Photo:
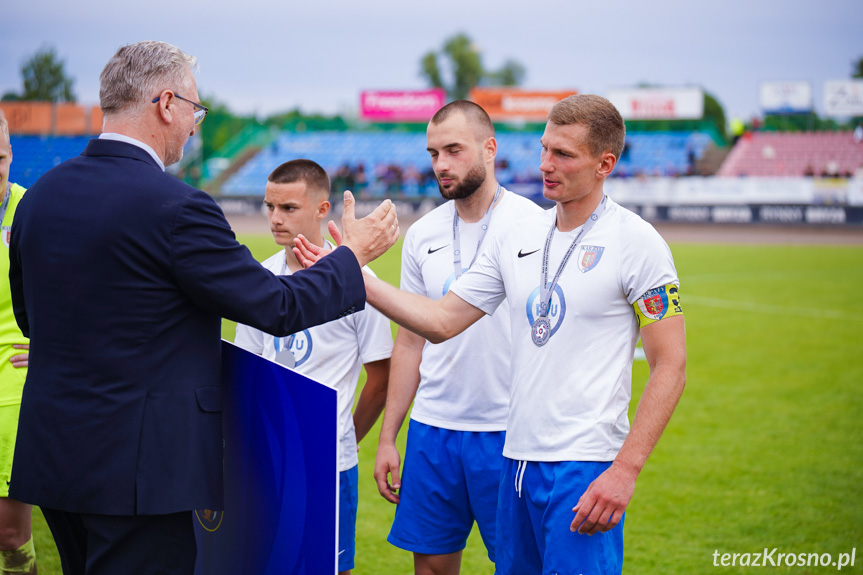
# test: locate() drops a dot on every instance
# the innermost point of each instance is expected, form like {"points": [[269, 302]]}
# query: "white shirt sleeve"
{"points": [[411, 274], [646, 262], [374, 336], [482, 285], [250, 339]]}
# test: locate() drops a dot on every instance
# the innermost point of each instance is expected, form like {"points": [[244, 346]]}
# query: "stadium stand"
{"points": [[662, 154], [332, 150], [397, 163], [794, 154], [377, 164], [35, 155]]}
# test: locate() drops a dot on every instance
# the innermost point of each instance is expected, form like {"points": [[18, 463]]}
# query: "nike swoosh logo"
{"points": [[431, 251], [522, 254]]}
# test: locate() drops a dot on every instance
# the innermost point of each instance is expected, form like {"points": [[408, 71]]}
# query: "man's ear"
{"points": [[323, 209], [165, 106], [490, 148], [606, 164]]}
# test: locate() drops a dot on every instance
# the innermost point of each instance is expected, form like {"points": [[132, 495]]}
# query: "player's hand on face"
{"points": [[387, 465], [22, 359], [601, 506], [372, 235]]}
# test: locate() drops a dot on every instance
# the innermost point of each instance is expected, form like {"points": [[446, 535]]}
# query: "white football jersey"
{"points": [[570, 397], [464, 382], [332, 354]]}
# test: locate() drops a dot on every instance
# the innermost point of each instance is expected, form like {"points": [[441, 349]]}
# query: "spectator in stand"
{"points": [[411, 180], [361, 182], [503, 172], [429, 183], [690, 160], [393, 180], [343, 180], [737, 129]]}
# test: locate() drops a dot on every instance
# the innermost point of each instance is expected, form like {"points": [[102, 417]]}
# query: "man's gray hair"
{"points": [[137, 73]]}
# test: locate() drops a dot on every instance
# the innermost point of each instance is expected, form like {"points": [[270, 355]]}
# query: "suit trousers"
{"points": [[91, 544]]}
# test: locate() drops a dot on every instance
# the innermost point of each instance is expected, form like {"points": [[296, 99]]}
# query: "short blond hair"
{"points": [[606, 130], [4, 127]]}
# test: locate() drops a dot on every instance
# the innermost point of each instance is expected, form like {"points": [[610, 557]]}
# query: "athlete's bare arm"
{"points": [[435, 320], [602, 505]]}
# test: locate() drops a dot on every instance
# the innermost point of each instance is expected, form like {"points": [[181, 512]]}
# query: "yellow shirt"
{"points": [[9, 332], [11, 379]]}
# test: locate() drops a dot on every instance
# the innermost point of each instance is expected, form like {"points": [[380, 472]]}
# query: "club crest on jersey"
{"points": [[7, 235], [588, 257], [556, 308], [300, 345], [210, 520]]}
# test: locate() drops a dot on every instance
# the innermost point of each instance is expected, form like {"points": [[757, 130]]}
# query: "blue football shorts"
{"points": [[348, 498], [534, 515], [449, 480]]}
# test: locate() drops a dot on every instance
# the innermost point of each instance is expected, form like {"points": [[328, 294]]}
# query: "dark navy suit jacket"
{"points": [[120, 275]]}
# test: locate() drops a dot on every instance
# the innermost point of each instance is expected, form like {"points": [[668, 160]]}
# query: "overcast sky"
{"points": [[268, 56]]}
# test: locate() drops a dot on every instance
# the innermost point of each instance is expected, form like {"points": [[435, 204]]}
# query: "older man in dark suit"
{"points": [[120, 276]]}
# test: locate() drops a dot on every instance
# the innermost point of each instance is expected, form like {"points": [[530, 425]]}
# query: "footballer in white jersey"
{"points": [[332, 353], [459, 388], [296, 198], [465, 381], [582, 283]]}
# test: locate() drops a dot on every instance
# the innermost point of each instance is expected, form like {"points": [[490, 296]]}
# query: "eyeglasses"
{"points": [[200, 109]]}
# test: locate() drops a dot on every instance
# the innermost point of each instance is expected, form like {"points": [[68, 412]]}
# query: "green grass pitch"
{"points": [[764, 450]]}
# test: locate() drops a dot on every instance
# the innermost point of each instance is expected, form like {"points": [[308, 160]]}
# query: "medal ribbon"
{"points": [[456, 238], [546, 292]]}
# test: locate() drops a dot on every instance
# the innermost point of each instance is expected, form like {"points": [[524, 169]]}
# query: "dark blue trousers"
{"points": [[91, 544]]}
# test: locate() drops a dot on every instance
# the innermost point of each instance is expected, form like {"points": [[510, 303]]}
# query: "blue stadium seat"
{"points": [[649, 153], [32, 156]]}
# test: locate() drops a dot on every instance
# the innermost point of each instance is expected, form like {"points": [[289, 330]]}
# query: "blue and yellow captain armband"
{"points": [[656, 304]]}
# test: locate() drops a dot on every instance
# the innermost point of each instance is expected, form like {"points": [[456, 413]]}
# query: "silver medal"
{"points": [[541, 331], [286, 358]]}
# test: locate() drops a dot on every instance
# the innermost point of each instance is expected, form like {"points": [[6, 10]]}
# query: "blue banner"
{"points": [[281, 474]]}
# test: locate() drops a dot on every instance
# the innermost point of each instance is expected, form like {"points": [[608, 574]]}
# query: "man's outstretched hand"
{"points": [[370, 236]]}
